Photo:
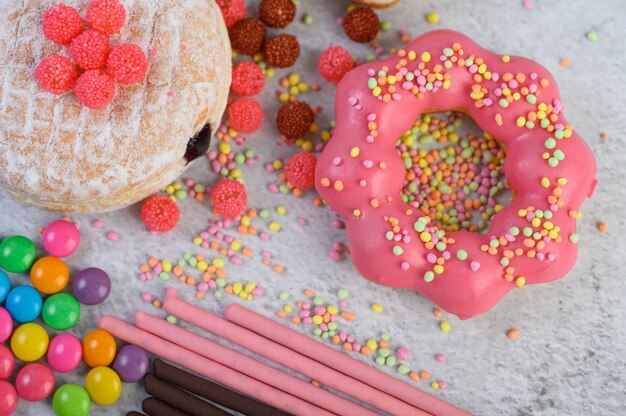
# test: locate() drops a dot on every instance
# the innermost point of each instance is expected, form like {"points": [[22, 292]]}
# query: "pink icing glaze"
{"points": [[360, 174]]}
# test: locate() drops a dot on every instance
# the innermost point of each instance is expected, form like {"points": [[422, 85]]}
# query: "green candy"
{"points": [[71, 400], [61, 311], [17, 254]]}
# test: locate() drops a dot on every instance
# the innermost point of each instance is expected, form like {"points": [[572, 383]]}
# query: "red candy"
{"points": [[95, 89], [229, 198], [127, 63], [56, 74], [107, 16], [61, 24], [300, 170], [90, 49], [245, 115], [159, 213], [248, 79], [334, 63], [232, 10]]}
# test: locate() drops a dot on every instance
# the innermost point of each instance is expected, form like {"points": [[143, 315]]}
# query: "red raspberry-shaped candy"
{"points": [[245, 115], [61, 24], [56, 74], [248, 79], [229, 198], [95, 89], [300, 170], [127, 63], [232, 10], [107, 16], [334, 63], [90, 49], [160, 213]]}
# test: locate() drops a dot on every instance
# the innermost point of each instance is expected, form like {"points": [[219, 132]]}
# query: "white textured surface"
{"points": [[570, 357]]}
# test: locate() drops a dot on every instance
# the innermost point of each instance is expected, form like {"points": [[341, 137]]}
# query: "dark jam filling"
{"points": [[198, 145]]}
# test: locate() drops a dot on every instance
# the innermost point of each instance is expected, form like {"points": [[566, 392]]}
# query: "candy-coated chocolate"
{"points": [[61, 311], [49, 275], [34, 382], [131, 363], [29, 342], [104, 386], [71, 400], [6, 325], [548, 166], [7, 362], [24, 303], [60, 238], [64, 353], [91, 286], [17, 254], [5, 286], [98, 348], [8, 398]]}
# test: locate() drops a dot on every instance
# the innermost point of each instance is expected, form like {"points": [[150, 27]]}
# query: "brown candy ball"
{"points": [[247, 36], [277, 13], [361, 25], [294, 120], [282, 51]]}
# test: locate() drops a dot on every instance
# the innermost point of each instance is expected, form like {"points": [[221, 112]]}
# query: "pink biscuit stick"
{"points": [[208, 368], [250, 366], [289, 358], [335, 359]]}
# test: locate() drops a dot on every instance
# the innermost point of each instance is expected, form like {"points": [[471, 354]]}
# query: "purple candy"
{"points": [[91, 286], [131, 363]]}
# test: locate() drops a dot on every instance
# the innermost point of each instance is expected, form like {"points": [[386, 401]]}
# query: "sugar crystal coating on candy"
{"points": [[229, 198], [61, 24], [282, 51], [159, 213], [107, 16], [245, 115], [294, 120], [361, 25], [277, 13], [247, 36], [127, 63], [56, 74], [248, 79], [232, 11], [90, 49], [300, 170], [95, 89], [334, 63]]}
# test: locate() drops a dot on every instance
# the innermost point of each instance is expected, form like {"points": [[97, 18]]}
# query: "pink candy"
{"points": [[64, 353], [60, 238]]}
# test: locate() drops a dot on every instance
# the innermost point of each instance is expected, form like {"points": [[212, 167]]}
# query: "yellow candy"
{"points": [[377, 307], [444, 326], [103, 385], [29, 342]]}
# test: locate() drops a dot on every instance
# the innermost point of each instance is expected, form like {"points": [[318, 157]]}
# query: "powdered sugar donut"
{"points": [[549, 168], [61, 155]]}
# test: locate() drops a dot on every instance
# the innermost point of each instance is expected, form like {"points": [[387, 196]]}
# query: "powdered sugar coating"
{"points": [[58, 154]]}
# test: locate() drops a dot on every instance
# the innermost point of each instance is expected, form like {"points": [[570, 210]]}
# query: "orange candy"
{"points": [[49, 275], [98, 348]]}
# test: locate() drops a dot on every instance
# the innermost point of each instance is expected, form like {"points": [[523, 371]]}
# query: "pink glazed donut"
{"points": [[549, 168]]}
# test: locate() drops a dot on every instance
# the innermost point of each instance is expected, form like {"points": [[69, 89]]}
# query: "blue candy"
{"points": [[24, 303], [5, 286]]}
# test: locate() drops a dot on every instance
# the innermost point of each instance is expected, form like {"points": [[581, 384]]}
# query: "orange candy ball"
{"points": [[49, 275], [98, 348]]}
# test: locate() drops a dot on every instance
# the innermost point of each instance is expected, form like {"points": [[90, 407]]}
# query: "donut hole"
{"points": [[454, 171]]}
